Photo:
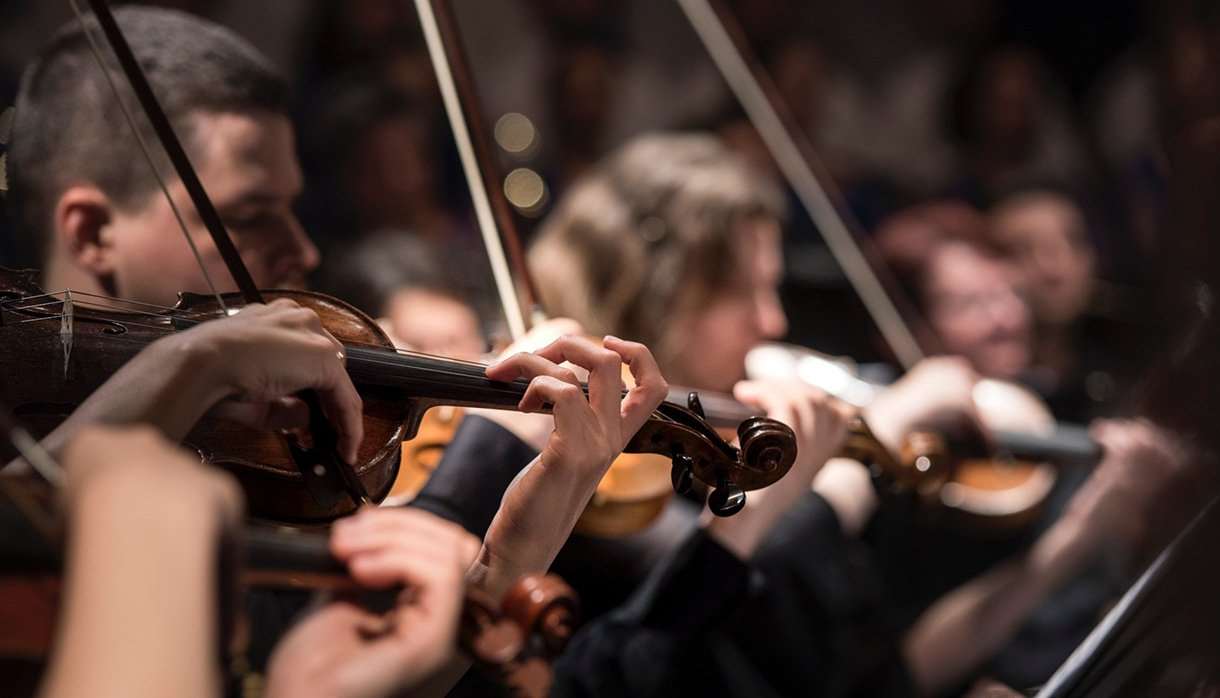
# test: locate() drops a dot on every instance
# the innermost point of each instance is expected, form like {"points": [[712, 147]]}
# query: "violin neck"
{"points": [[433, 379]]}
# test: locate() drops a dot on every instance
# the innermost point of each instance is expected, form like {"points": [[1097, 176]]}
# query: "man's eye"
{"points": [[248, 222]]}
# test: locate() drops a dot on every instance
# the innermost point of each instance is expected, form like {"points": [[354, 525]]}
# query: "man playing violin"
{"points": [[100, 226], [90, 209]]}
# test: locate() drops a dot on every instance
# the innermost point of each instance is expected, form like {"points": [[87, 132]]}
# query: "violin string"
{"points": [[179, 314], [108, 303], [369, 354], [141, 313], [131, 122], [375, 357], [432, 376]]}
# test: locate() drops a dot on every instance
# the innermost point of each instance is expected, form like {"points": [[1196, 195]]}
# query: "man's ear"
{"points": [[82, 216]]}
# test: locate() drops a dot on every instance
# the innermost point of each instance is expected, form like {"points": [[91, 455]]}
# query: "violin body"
{"points": [[631, 495], [60, 349], [422, 454], [275, 487]]}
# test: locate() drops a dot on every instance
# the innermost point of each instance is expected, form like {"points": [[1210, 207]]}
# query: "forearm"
{"points": [[970, 624], [169, 386], [140, 585], [538, 513]]}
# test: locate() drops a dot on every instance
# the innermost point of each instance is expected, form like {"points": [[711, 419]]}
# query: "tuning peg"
{"points": [[726, 500], [694, 404], [682, 475]]}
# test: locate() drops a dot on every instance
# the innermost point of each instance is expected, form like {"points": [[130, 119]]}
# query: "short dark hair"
{"points": [[368, 273], [70, 128]]}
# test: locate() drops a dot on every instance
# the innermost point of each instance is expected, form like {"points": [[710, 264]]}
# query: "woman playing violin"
{"points": [[674, 238]]}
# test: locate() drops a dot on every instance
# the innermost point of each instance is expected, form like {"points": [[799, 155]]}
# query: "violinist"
{"points": [[1081, 351], [670, 199], [964, 285]]}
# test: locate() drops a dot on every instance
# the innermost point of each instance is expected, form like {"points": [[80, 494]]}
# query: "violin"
{"points": [[996, 491], [512, 641], [958, 479], [61, 347]]}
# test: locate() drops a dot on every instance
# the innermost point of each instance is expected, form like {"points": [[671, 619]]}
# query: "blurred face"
{"points": [[436, 324], [976, 312], [247, 164], [1046, 238], [743, 313]]}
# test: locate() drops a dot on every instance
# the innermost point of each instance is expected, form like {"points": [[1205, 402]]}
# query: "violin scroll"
{"points": [[768, 450], [546, 607], [518, 641], [766, 445]]}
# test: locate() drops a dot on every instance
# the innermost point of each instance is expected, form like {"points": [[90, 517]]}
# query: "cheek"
{"points": [[959, 334], [724, 335], [146, 248]]}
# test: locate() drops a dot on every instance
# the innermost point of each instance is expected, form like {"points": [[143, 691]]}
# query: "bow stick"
{"points": [[725, 42]]}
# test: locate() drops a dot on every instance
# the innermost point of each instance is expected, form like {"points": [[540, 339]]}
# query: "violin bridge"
{"points": [[65, 329]]}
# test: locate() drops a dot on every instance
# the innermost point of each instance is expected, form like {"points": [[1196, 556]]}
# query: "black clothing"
{"points": [[478, 466], [822, 612], [803, 620], [645, 648]]}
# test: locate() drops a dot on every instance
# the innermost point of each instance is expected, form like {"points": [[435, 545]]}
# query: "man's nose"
{"points": [[304, 253]]}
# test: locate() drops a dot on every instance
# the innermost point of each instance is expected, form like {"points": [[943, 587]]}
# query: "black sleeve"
{"points": [[470, 480], [640, 649], [823, 600]]}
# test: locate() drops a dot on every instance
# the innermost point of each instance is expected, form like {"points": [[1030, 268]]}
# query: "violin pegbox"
{"points": [[698, 452]]}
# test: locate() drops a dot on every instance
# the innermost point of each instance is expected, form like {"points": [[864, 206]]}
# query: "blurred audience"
{"points": [[1078, 353], [398, 279], [1010, 124], [962, 285]]}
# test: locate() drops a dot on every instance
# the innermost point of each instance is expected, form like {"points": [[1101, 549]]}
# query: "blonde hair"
{"points": [[648, 235]]}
